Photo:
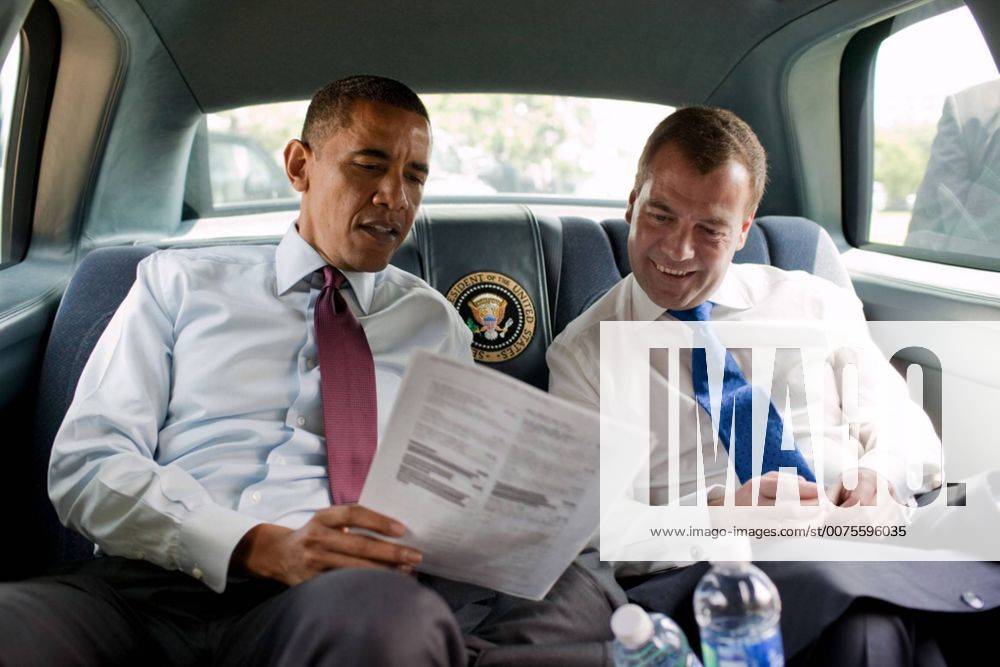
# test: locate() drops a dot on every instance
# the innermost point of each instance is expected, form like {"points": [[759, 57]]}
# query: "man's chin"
{"points": [[369, 263], [370, 255], [672, 301]]}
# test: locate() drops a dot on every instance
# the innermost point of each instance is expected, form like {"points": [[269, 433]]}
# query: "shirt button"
{"points": [[255, 496], [310, 363], [196, 572], [300, 420], [280, 460], [973, 600], [140, 554]]}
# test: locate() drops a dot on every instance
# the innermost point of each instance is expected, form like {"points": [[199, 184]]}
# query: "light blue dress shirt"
{"points": [[198, 415]]}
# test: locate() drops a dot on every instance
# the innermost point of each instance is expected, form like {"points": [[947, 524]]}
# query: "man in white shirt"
{"points": [[224, 424], [699, 181]]}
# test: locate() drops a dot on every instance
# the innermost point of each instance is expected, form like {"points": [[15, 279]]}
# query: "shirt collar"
{"points": [[296, 260], [731, 293]]}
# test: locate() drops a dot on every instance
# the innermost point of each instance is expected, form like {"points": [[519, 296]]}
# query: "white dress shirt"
{"points": [[751, 292], [198, 415]]}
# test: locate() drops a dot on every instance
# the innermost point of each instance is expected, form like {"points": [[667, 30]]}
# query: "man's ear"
{"points": [[297, 155], [631, 205], [745, 227]]}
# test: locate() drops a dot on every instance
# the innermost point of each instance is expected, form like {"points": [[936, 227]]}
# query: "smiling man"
{"points": [[688, 218], [700, 178], [222, 430], [699, 181]]}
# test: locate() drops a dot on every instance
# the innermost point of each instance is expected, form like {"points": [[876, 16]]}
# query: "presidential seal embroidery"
{"points": [[499, 313]]}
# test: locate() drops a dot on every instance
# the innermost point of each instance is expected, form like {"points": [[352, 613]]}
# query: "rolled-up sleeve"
{"points": [[104, 479]]}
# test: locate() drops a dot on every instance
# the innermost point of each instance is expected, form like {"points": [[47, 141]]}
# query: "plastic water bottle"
{"points": [[738, 609], [648, 640]]}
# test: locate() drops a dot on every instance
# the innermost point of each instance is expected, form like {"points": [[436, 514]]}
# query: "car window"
{"points": [[8, 86], [485, 146], [936, 171], [243, 172]]}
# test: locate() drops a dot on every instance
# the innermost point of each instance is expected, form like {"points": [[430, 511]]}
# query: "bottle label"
{"points": [[767, 651]]}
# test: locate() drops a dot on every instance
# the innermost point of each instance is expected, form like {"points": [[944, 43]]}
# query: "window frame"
{"points": [[39, 60], [857, 148]]}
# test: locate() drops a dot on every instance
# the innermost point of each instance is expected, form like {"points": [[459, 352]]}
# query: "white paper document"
{"points": [[498, 483]]}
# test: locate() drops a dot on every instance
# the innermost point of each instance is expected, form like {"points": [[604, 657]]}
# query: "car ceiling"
{"points": [[675, 51]]}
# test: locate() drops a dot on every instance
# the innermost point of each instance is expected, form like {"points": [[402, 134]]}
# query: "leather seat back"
{"points": [[500, 266]]}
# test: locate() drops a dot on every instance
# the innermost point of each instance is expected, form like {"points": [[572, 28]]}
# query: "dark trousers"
{"points": [[122, 611], [876, 633], [857, 614]]}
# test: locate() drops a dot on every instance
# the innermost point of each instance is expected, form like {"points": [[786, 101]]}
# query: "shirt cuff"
{"points": [[207, 539]]}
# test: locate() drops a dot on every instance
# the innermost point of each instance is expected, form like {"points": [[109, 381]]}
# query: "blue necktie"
{"points": [[737, 394]]}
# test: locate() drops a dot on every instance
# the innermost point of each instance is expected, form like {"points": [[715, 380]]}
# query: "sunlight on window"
{"points": [[485, 145], [937, 100], [537, 144]]}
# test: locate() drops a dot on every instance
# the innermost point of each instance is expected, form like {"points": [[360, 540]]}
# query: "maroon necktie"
{"points": [[347, 382]]}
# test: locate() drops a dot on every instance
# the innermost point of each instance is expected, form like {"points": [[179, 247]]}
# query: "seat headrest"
{"points": [[499, 265]]}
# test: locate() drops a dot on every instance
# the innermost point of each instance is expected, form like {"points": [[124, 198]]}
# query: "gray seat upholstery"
{"points": [[566, 264]]}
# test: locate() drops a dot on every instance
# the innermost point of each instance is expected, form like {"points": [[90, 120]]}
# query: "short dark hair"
{"points": [[330, 108], [708, 137]]}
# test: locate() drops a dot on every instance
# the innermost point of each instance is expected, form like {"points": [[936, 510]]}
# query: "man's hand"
{"points": [[769, 483], [324, 543], [864, 494]]}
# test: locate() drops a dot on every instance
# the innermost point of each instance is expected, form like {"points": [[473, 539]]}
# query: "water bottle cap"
{"points": [[631, 626]]}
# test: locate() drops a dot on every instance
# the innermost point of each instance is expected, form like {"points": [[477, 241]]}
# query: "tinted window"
{"points": [[936, 154], [242, 172], [485, 145]]}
